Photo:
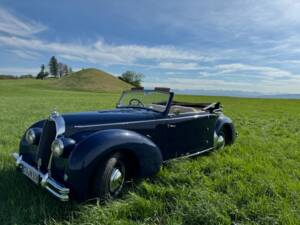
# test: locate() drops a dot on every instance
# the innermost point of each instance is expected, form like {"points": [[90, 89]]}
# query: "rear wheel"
{"points": [[110, 178]]}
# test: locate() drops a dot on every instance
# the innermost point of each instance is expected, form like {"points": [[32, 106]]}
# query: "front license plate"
{"points": [[33, 175]]}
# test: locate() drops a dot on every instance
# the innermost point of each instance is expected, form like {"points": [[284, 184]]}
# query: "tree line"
{"points": [[12, 77], [55, 68]]}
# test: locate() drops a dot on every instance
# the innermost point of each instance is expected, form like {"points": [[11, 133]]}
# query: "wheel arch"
{"points": [[227, 125], [87, 155]]}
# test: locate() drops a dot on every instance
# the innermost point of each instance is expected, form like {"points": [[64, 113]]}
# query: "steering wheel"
{"points": [[136, 102]]}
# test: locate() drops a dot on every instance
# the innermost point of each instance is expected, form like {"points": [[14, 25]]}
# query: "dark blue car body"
{"points": [[146, 137]]}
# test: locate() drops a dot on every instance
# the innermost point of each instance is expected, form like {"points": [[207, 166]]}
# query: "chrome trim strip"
{"points": [[55, 188], [142, 121], [190, 155]]}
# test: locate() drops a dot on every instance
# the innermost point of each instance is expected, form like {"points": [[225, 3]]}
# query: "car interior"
{"points": [[183, 107], [178, 108]]}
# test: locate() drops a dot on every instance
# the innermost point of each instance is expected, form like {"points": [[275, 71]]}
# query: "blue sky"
{"points": [[213, 45]]}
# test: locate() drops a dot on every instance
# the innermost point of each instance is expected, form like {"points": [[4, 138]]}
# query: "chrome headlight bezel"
{"points": [[57, 147], [31, 136]]}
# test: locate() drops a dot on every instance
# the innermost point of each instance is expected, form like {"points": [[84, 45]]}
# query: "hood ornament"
{"points": [[54, 113]]}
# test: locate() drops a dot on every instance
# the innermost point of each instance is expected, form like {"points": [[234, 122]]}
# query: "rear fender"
{"points": [[87, 154]]}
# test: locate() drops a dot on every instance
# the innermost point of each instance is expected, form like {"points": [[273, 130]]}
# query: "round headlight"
{"points": [[30, 136], [57, 147]]}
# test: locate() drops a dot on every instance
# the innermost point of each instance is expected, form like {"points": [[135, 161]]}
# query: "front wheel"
{"points": [[110, 178]]}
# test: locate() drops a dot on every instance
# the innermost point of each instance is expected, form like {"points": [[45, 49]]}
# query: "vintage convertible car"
{"points": [[92, 154]]}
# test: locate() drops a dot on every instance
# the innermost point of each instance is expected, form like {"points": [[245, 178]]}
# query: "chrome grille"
{"points": [[44, 148]]}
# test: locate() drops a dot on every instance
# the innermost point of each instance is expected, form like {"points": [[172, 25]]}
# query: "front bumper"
{"points": [[55, 188]]}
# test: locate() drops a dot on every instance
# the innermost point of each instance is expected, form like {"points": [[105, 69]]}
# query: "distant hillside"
{"points": [[232, 93], [91, 80]]}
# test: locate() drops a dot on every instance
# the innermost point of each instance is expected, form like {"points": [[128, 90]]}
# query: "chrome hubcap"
{"points": [[221, 142], [116, 180]]}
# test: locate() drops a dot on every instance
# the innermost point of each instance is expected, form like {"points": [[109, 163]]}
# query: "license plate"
{"points": [[31, 174]]}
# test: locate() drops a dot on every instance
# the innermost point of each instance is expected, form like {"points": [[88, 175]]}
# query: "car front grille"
{"points": [[44, 147]]}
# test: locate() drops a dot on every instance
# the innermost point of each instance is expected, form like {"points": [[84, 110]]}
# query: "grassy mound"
{"points": [[91, 80]]}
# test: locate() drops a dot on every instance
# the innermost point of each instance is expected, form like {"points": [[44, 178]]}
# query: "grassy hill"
{"points": [[90, 80], [255, 181]]}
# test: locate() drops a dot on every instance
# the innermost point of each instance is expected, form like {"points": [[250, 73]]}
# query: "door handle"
{"points": [[171, 125]]}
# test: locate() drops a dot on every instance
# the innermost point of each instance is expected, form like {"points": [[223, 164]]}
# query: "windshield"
{"points": [[154, 100]]}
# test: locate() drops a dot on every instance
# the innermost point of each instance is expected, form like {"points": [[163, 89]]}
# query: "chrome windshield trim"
{"points": [[168, 100], [183, 118]]}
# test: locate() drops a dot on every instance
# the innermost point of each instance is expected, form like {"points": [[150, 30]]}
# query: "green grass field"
{"points": [[255, 181]]}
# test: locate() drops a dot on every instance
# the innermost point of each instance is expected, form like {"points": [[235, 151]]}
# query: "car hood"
{"points": [[108, 116]]}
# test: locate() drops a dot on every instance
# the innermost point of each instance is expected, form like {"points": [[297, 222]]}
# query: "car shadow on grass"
{"points": [[22, 202]]}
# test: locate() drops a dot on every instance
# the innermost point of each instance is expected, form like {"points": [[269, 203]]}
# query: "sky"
{"points": [[249, 45]]}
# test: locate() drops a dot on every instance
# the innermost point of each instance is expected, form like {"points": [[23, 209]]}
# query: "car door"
{"points": [[188, 134]]}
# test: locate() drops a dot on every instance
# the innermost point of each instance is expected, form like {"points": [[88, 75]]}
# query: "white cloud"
{"points": [[271, 72], [144, 52], [103, 53], [179, 66], [296, 62], [25, 54], [18, 70], [12, 25], [235, 16], [265, 86]]}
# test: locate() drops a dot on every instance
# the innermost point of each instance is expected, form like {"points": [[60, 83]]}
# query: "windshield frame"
{"points": [[167, 106]]}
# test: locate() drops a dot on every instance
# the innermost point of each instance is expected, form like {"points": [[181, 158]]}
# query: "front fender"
{"points": [[85, 158], [29, 151], [226, 123]]}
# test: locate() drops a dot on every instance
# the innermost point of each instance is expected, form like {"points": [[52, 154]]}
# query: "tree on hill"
{"points": [[42, 74], [65, 69], [60, 69], [53, 66], [132, 77], [56, 69]]}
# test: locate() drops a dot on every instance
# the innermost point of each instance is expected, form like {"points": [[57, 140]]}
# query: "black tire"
{"points": [[103, 186]]}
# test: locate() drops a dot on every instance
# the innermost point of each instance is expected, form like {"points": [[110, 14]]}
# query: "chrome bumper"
{"points": [[56, 189]]}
